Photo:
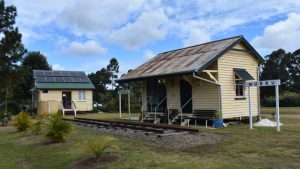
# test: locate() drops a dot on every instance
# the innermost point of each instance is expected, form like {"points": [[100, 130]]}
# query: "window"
{"points": [[81, 95], [239, 86], [45, 91]]}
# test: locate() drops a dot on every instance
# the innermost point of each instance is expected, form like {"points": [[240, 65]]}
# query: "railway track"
{"points": [[160, 129]]}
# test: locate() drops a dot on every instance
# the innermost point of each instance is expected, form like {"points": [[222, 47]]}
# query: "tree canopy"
{"points": [[11, 46]]}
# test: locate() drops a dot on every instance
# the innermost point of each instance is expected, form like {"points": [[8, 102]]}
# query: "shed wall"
{"points": [[56, 95], [226, 63]]}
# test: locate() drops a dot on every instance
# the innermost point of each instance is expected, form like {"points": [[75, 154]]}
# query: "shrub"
{"points": [[99, 146], [218, 116], [287, 99], [22, 122], [58, 129], [36, 127]]}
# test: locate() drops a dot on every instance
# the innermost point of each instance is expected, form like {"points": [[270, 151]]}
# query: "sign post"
{"points": [[265, 83], [250, 107]]}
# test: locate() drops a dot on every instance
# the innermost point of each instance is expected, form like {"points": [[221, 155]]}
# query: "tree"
{"points": [[113, 69], [100, 79], [294, 69], [32, 61], [11, 47], [276, 67]]}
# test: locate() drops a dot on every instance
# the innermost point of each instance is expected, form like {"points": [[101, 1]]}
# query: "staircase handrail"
{"points": [[62, 108], [155, 109], [183, 107], [73, 107]]}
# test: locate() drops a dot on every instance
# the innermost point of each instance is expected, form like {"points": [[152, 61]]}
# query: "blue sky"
{"points": [[85, 35]]}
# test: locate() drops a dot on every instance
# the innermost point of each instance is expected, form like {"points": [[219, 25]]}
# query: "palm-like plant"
{"points": [[58, 129], [99, 146]]}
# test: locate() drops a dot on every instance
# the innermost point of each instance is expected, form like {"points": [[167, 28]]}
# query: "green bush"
{"points": [[22, 122], [58, 129], [218, 116], [287, 99], [99, 146], [36, 127]]}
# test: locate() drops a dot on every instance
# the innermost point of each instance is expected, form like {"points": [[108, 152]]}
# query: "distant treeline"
{"points": [[286, 67]]}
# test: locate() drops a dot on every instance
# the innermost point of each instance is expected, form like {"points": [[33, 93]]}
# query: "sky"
{"points": [[85, 35]]}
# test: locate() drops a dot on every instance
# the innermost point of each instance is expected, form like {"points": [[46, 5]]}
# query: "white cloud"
{"points": [[148, 54], [196, 36], [88, 48], [96, 17], [134, 24], [57, 67], [283, 34], [149, 27]]}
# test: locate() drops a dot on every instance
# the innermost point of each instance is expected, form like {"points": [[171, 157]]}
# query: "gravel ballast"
{"points": [[173, 141]]}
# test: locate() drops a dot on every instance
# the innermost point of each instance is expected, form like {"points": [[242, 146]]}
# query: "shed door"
{"points": [[67, 99], [185, 95]]}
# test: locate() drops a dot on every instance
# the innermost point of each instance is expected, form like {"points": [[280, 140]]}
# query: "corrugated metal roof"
{"points": [[64, 86], [185, 60]]}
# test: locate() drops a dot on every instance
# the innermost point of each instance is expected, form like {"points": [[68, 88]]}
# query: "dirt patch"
{"points": [[92, 162]]}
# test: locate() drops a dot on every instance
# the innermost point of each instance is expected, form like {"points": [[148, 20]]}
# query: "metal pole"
{"points": [[277, 108], [250, 107], [120, 104], [129, 105]]}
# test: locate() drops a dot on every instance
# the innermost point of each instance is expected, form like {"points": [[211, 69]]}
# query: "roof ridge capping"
{"points": [[238, 36]]}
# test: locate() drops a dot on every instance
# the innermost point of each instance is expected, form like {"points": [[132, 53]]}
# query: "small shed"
{"points": [[68, 91], [208, 77]]}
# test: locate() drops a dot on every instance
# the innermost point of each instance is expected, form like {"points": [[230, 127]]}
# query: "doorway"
{"points": [[156, 92], [67, 99], [185, 95]]}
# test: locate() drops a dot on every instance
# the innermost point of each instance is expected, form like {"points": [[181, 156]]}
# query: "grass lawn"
{"points": [[242, 148], [283, 110]]}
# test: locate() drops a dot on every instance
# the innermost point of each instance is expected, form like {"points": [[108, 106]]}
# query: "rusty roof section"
{"points": [[182, 61]]}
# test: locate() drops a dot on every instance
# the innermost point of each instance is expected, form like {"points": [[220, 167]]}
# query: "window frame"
{"points": [[239, 83], [81, 95]]}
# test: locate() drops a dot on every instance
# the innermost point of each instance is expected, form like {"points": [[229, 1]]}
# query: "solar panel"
{"points": [[39, 73], [68, 79], [65, 73], [59, 79], [73, 74], [84, 80], [56, 73], [40, 79], [50, 79], [76, 79], [81, 74], [48, 73]]}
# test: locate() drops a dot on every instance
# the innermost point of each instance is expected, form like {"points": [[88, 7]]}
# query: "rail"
{"points": [[74, 107], [169, 122], [134, 125], [62, 108], [183, 107], [155, 109]]}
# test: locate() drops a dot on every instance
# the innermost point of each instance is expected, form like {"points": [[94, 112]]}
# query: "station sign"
{"points": [[123, 91], [263, 83]]}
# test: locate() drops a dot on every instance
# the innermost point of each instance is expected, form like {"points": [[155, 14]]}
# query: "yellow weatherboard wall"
{"points": [[56, 96], [236, 59]]}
